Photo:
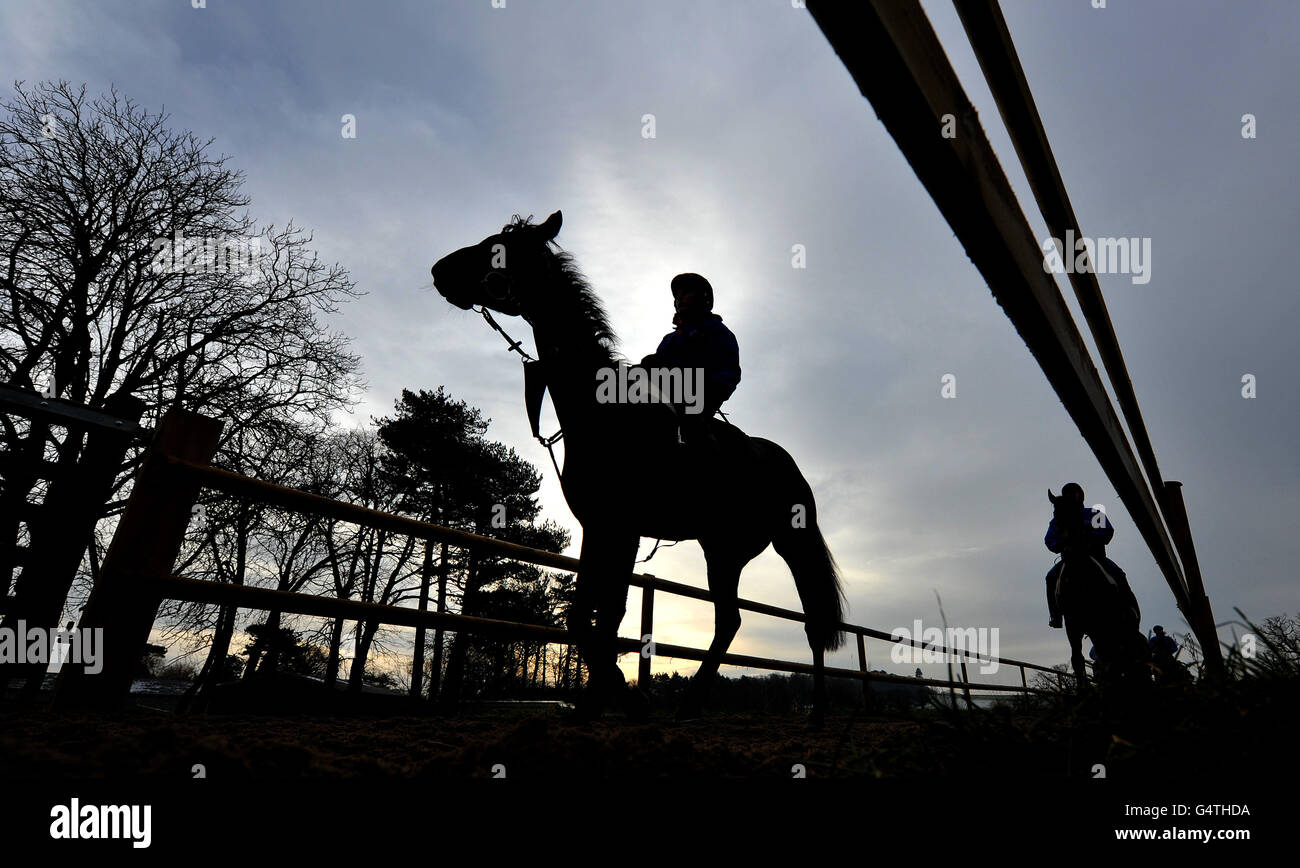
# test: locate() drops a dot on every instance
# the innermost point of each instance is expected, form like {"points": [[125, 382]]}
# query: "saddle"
{"points": [[1111, 582], [662, 418]]}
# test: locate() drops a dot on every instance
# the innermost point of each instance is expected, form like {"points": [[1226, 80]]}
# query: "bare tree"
{"points": [[113, 230], [244, 542], [292, 544], [385, 570]]}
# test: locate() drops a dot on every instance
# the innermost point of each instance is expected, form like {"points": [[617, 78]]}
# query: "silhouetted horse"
{"points": [[1091, 603], [625, 476]]}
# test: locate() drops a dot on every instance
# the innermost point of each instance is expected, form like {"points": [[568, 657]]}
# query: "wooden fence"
{"points": [[136, 577]]}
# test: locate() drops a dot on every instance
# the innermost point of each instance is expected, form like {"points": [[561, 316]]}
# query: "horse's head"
{"points": [[1069, 520], [502, 272]]}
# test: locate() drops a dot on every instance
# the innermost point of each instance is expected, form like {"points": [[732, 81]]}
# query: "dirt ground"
{"points": [[535, 744], [530, 743], [905, 773]]}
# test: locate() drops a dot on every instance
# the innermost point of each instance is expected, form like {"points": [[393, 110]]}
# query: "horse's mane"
{"points": [[573, 290]]}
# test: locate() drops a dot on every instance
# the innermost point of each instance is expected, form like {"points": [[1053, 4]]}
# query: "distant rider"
{"points": [[1100, 537], [1163, 646]]}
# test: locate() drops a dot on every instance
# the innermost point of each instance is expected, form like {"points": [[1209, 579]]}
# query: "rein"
{"points": [[534, 388], [534, 391], [514, 344]]}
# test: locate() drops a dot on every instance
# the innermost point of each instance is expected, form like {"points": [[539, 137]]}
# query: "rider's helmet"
{"points": [[1072, 489], [692, 281]]}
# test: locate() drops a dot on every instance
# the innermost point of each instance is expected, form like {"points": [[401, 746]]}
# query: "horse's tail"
{"points": [[816, 576], [799, 541]]}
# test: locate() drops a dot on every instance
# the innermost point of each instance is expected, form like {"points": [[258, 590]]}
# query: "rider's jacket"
{"points": [[1097, 522], [702, 342], [1163, 644]]}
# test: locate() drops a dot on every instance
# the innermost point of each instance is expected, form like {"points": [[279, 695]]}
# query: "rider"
{"points": [[1162, 644], [1101, 535], [699, 340]]}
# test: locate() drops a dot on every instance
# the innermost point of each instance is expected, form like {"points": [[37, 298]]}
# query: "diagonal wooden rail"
{"points": [[894, 56], [990, 37]]}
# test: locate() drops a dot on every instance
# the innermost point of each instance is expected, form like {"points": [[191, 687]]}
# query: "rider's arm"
{"points": [[1050, 540], [725, 358], [663, 355], [1102, 530]]}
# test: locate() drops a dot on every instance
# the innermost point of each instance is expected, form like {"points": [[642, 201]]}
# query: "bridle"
{"points": [[534, 381]]}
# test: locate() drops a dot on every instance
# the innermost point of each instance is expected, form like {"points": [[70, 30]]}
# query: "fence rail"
{"points": [[34, 405], [136, 577], [302, 501]]}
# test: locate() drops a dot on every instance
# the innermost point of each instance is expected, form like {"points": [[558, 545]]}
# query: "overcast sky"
{"points": [[467, 114]]}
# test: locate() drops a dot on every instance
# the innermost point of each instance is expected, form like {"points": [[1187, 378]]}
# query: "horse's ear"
{"points": [[1050, 496], [551, 227]]}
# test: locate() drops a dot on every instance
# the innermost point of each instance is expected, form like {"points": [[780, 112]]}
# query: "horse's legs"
{"points": [[1075, 634], [819, 686], [724, 584], [610, 609], [1132, 655], [604, 567], [581, 612]]}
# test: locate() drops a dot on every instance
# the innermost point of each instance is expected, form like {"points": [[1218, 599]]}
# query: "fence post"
{"points": [[1023, 682], [862, 667], [62, 527], [148, 540], [1201, 616], [965, 680], [647, 629], [435, 674], [417, 654]]}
